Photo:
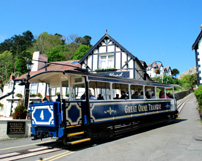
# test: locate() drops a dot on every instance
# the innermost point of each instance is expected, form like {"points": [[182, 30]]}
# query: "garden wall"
{"points": [[182, 94], [12, 129]]}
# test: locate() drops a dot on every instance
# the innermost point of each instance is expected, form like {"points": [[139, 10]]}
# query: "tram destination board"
{"points": [[16, 127]]}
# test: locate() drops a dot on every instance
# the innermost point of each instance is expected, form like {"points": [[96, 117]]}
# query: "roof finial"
{"points": [[106, 31]]}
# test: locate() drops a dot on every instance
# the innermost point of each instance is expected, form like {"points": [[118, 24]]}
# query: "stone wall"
{"points": [[182, 94], [3, 129]]}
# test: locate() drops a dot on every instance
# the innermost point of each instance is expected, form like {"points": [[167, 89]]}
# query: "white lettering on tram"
{"points": [[142, 108]]}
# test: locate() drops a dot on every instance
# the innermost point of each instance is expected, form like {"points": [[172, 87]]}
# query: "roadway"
{"points": [[179, 140]]}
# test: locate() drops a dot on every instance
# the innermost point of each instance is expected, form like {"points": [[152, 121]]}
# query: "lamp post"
{"points": [[29, 65]]}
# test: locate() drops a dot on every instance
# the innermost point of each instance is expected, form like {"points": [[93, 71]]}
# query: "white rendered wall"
{"points": [[199, 50]]}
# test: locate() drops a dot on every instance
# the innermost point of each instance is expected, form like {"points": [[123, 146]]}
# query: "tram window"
{"points": [[120, 91], [77, 91], [169, 93], [65, 89], [160, 92], [136, 92], [150, 92], [100, 90]]}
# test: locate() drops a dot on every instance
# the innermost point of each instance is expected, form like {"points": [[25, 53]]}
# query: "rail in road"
{"points": [[182, 102], [32, 152]]}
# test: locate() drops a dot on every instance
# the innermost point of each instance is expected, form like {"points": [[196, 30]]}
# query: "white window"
{"points": [[106, 61], [33, 88]]}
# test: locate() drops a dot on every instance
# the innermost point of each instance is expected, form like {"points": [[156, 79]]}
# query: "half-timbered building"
{"points": [[108, 57]]}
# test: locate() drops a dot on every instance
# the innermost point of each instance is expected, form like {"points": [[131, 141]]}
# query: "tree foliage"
{"points": [[14, 50], [175, 72], [189, 81], [55, 54], [82, 50], [6, 65]]}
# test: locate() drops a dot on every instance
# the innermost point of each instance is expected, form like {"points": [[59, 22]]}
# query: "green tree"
{"points": [[21, 62], [82, 50], [189, 81], [45, 42], [6, 65], [175, 72], [83, 40], [55, 54]]}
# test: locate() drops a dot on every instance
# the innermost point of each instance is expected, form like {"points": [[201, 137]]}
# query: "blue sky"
{"points": [[151, 30]]}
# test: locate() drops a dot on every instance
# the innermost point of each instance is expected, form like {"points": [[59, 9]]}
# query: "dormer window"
{"points": [[106, 61]]}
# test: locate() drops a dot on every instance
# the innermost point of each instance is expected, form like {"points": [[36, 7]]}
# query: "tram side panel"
{"points": [[110, 113]]}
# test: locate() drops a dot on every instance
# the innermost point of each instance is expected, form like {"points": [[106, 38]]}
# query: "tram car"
{"points": [[90, 106]]}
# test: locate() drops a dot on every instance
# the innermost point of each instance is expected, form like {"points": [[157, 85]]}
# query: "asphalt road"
{"points": [[179, 140]]}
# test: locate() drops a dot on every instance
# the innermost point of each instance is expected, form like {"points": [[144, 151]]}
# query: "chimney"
{"points": [[12, 77], [154, 64], [201, 27]]}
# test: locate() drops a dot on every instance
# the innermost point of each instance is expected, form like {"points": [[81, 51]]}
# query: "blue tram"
{"points": [[91, 106]]}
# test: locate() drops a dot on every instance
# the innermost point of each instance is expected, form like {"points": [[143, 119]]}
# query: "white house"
{"points": [[197, 46], [151, 70], [108, 57]]}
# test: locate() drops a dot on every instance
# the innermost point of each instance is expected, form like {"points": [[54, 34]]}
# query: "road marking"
{"points": [[68, 153], [10, 154], [56, 156], [26, 145], [22, 156], [37, 149]]}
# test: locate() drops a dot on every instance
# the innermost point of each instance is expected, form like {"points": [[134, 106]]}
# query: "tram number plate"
{"points": [[16, 128]]}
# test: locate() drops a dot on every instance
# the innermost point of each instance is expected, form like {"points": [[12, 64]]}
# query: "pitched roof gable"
{"points": [[106, 35], [195, 45]]}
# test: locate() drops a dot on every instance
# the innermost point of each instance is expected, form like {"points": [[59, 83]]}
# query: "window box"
{"points": [[106, 70]]}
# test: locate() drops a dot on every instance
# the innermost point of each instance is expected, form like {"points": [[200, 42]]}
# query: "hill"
{"points": [[192, 70]]}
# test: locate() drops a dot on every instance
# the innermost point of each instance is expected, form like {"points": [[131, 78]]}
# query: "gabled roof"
{"points": [[195, 45], [106, 35], [168, 67], [155, 65]]}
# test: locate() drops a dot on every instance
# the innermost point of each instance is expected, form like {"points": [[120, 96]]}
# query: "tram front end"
{"points": [[46, 120]]}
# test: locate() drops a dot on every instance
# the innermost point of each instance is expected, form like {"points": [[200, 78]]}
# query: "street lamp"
{"points": [[29, 65]]}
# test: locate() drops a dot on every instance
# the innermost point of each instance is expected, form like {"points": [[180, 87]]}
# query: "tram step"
{"points": [[68, 127], [75, 134], [79, 141]]}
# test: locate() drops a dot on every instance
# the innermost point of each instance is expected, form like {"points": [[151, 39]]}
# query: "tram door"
{"points": [[80, 105]]}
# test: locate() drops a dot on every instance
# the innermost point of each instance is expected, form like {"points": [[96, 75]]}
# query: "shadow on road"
{"points": [[97, 142]]}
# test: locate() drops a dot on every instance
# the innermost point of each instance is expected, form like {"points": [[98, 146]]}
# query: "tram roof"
{"points": [[50, 76]]}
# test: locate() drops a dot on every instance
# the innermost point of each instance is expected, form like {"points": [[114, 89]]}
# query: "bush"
{"points": [[198, 94], [18, 95], [20, 111], [39, 95]]}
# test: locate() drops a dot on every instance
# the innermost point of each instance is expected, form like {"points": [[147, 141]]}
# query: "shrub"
{"points": [[39, 95], [18, 95], [20, 111], [32, 95], [198, 94], [1, 105]]}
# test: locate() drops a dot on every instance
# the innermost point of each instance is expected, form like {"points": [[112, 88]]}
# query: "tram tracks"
{"points": [[40, 152], [183, 102]]}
